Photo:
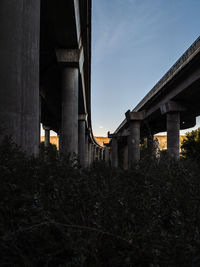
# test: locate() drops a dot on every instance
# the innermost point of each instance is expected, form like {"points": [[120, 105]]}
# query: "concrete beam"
{"points": [[68, 55], [172, 106], [130, 116]]}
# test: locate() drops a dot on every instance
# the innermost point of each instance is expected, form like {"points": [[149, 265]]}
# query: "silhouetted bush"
{"points": [[52, 214], [191, 145]]}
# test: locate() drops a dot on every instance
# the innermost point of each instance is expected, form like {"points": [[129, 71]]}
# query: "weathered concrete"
{"points": [[90, 153], [46, 136], [103, 154], [86, 150], [150, 146], [134, 143], [107, 156], [19, 72], [69, 128], [125, 158], [173, 128], [81, 143], [114, 153], [134, 119]]}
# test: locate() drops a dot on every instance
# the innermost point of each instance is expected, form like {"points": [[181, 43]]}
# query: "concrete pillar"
{"points": [[134, 119], [89, 154], [134, 143], [19, 72], [125, 158], [173, 128], [94, 153], [114, 153], [69, 126], [150, 146], [97, 153], [81, 143], [86, 150], [103, 154], [107, 155], [46, 136]]}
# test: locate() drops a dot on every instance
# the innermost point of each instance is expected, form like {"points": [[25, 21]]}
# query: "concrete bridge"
{"points": [[171, 105], [45, 72]]}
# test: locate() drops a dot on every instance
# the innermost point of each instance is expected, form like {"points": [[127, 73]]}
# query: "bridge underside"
{"points": [[45, 70], [172, 105], [59, 30]]}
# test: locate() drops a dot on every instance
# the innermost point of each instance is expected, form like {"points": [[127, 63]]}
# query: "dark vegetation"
{"points": [[52, 214], [191, 145]]}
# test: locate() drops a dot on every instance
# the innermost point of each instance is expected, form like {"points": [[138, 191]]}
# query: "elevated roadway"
{"points": [[45, 75], [171, 105]]}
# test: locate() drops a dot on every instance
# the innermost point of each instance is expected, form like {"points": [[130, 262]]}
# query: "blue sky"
{"points": [[134, 43]]}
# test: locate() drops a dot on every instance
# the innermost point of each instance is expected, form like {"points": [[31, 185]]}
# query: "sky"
{"points": [[134, 43]]}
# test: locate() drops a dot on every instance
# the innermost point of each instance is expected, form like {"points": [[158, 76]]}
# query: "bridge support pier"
{"points": [[114, 153], [46, 136], [107, 156], [114, 158], [134, 119], [173, 128], [125, 158], [19, 73], [173, 110], [150, 146], [82, 140], [90, 152], [134, 143], [86, 150], [69, 127]]}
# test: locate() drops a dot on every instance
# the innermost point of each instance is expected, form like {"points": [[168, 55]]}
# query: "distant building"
{"points": [[162, 139]]}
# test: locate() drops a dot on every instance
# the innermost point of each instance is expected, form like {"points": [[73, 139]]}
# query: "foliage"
{"points": [[191, 145], [52, 214]]}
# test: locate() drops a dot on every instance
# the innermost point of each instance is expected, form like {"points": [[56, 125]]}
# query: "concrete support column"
{"points": [[134, 143], [114, 153], [81, 143], [86, 150], [97, 153], [94, 153], [134, 119], [46, 136], [150, 146], [173, 128], [173, 110], [89, 154], [69, 127], [19, 73], [103, 154], [107, 155], [125, 158]]}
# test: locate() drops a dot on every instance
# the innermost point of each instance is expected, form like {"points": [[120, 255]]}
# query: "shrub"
{"points": [[55, 215], [191, 145]]}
